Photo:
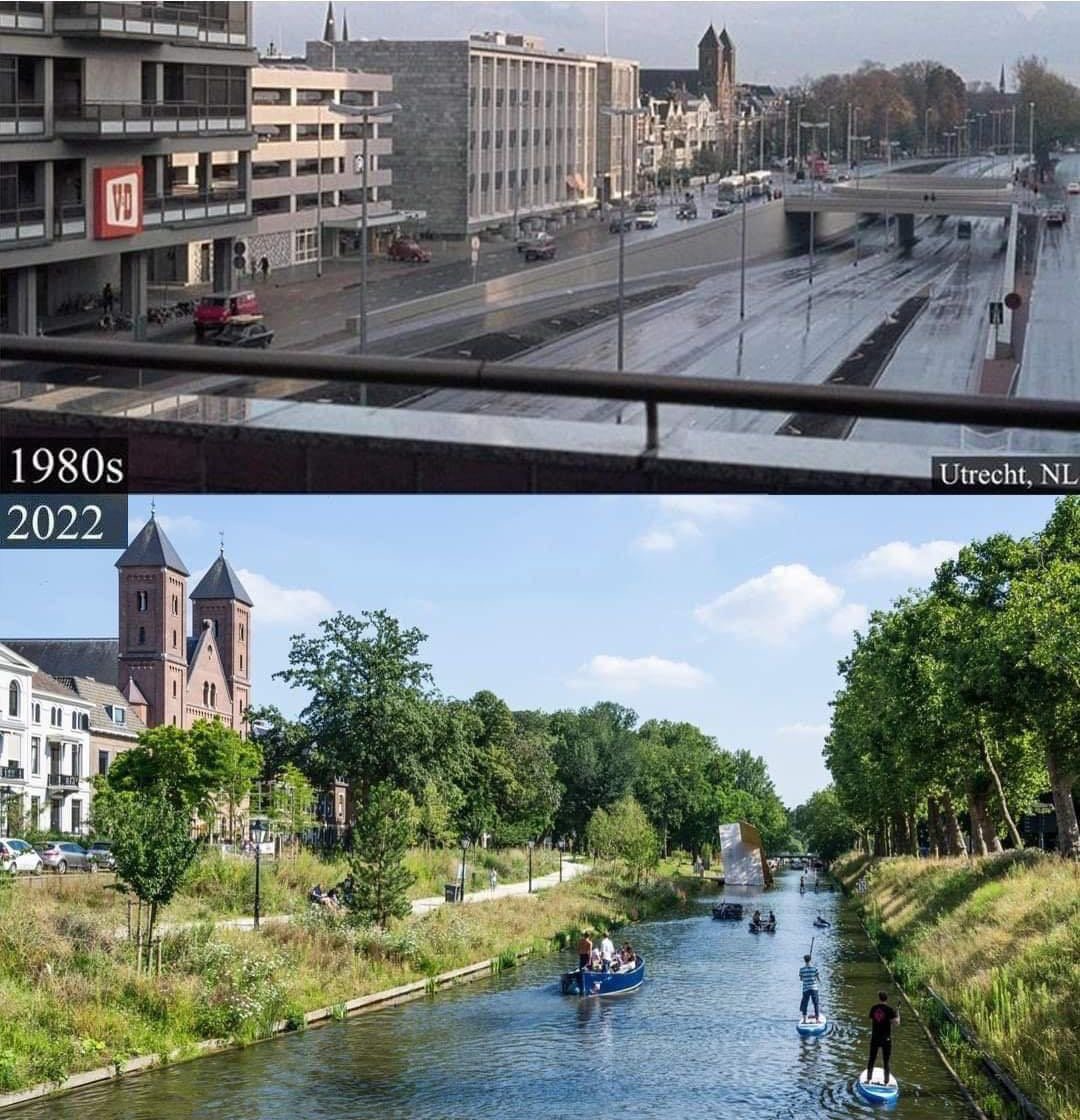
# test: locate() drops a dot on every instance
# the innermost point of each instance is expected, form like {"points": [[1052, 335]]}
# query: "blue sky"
{"points": [[728, 612]]}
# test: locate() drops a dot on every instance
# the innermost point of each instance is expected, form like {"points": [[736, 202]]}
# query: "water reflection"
{"points": [[712, 1030]]}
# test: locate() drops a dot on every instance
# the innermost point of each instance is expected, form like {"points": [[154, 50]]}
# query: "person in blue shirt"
{"points": [[808, 974]]}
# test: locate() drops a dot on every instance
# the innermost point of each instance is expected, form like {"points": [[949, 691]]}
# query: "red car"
{"points": [[213, 312], [405, 249]]}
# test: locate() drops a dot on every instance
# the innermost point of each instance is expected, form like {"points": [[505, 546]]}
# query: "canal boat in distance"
{"points": [[876, 1091], [728, 912], [585, 982], [812, 1028], [769, 927]]}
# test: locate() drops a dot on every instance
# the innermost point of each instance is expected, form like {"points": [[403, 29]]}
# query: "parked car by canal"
{"points": [[245, 332], [62, 856], [405, 249], [17, 855], [100, 852]]}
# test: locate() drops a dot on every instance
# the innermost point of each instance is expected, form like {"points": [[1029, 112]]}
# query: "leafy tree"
{"points": [[1057, 104], [624, 832], [286, 742], [674, 782], [230, 763], [824, 825], [369, 709], [432, 819], [292, 802], [164, 759], [381, 839], [151, 842]]}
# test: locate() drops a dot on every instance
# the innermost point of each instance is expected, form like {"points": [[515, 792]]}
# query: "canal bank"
{"points": [[712, 1029], [989, 952]]}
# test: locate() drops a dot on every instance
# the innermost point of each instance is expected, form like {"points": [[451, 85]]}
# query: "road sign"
{"points": [[1013, 301], [475, 256], [476, 244]]}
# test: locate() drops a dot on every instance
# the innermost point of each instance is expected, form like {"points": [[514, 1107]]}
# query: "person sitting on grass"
{"points": [[315, 895]]}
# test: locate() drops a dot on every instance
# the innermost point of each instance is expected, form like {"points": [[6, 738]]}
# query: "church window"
{"points": [[215, 627], [241, 631], [142, 635], [174, 688], [13, 698], [174, 721], [213, 696], [241, 661], [142, 601], [206, 694], [174, 639], [176, 604]]}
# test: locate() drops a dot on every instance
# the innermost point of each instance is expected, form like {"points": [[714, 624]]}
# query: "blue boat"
{"points": [[585, 982], [877, 1092]]}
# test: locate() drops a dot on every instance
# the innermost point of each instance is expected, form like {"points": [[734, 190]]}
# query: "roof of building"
{"points": [[329, 31], [151, 548], [660, 83], [101, 695], [133, 693], [43, 682], [94, 658], [725, 39], [221, 582], [709, 39]]}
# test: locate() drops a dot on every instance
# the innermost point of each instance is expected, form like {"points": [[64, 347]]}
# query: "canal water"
{"points": [[712, 1032]]}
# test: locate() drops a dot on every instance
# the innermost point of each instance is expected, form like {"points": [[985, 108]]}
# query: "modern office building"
{"points": [[494, 128], [104, 111]]}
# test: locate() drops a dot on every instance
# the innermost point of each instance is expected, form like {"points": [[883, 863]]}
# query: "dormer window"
{"points": [[117, 714]]}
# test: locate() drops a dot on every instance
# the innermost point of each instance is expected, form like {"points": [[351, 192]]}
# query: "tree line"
{"points": [[965, 696]]}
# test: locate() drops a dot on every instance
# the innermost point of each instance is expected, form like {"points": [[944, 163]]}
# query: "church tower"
{"points": [[709, 65], [152, 637], [329, 30], [221, 600]]}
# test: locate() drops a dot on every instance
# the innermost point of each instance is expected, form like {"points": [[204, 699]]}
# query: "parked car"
{"points": [[643, 205], [533, 240], [1056, 216], [100, 852], [843, 177], [17, 855], [963, 230], [620, 224], [646, 219], [63, 856], [1073, 188], [722, 209], [405, 249], [543, 252], [247, 332], [687, 212], [214, 311]]}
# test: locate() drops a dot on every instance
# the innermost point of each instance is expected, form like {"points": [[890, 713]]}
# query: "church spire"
{"points": [[345, 27], [1001, 87], [329, 31]]}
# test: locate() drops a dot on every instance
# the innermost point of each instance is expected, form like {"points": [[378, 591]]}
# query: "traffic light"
{"points": [[239, 259]]}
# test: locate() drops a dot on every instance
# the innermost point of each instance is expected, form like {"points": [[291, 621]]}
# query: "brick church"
{"points": [[167, 672]]}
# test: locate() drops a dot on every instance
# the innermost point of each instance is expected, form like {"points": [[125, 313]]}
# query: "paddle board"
{"points": [[877, 1093], [811, 1028]]}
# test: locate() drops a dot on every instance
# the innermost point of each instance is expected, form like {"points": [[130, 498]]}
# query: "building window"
{"points": [[206, 694], [500, 98], [306, 246], [498, 180], [35, 812], [76, 816], [498, 139], [241, 631], [102, 762], [213, 696], [74, 721], [76, 760], [176, 604], [37, 713], [174, 688], [485, 139], [35, 756], [174, 721], [485, 97], [56, 717], [141, 601], [174, 639], [13, 698], [241, 662], [142, 635], [119, 715]]}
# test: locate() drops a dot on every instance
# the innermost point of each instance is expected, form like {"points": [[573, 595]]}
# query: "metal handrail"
{"points": [[14, 215], [16, 110], [764, 396], [141, 110]]}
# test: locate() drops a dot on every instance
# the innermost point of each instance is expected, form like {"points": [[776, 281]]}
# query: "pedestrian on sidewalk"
{"points": [[107, 299], [264, 268], [493, 879]]}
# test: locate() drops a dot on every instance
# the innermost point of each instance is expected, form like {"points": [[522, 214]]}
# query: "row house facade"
{"points": [[672, 131]]}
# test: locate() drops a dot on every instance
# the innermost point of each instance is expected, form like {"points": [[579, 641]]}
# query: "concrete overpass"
{"points": [[923, 195]]}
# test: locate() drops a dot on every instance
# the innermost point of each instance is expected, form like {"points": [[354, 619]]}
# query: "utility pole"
{"points": [[1012, 143], [742, 253], [787, 121]]}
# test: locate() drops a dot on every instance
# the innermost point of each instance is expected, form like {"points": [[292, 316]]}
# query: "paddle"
{"points": [[812, 940]]}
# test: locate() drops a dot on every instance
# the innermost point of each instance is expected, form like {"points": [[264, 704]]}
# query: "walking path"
{"points": [[419, 906]]}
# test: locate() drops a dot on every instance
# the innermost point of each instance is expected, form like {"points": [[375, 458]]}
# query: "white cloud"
{"points": [[707, 507], [774, 607], [276, 605], [848, 619], [809, 730], [658, 540], [630, 674], [901, 558], [173, 526]]}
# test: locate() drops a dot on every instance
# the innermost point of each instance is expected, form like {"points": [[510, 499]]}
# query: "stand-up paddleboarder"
{"points": [[882, 1017]]}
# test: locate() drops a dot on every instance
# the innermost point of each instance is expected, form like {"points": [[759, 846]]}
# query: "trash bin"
{"points": [[453, 892]]}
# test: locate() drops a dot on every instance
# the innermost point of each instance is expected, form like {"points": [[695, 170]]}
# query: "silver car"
{"points": [[17, 855], [63, 856]]}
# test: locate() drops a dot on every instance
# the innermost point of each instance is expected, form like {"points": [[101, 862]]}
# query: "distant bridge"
{"points": [[922, 195]]}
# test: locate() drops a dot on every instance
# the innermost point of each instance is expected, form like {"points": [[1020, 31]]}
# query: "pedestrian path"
{"points": [[570, 870]]}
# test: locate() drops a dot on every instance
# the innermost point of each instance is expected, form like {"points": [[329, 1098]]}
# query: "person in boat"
{"points": [[771, 923], [585, 950], [820, 921], [882, 1017], [607, 950], [628, 955], [808, 974], [596, 963], [756, 919]]}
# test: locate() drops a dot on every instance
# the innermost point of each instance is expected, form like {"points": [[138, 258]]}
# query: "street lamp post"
{"points": [[858, 183], [828, 133], [530, 865], [562, 848], [926, 130], [787, 122], [259, 832], [1012, 143], [366, 114], [1031, 132], [742, 250], [813, 128], [464, 849], [798, 137]]}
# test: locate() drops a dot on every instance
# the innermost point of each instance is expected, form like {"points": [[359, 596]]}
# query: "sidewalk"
{"points": [[419, 906]]}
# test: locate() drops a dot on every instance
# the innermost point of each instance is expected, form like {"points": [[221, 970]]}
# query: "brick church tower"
{"points": [[221, 600], [152, 638], [716, 80]]}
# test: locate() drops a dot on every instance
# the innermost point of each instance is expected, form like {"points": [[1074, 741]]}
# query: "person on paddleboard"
{"points": [[808, 974], [882, 1017]]}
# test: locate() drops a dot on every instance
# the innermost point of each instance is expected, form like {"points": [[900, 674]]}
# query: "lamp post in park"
{"points": [[813, 127], [464, 849], [366, 114], [259, 833], [531, 842]]}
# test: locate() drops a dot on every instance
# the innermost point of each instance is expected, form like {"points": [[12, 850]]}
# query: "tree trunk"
{"points": [[879, 838], [937, 836], [1068, 831], [1010, 824], [954, 838], [977, 812], [993, 841], [913, 833], [901, 844]]}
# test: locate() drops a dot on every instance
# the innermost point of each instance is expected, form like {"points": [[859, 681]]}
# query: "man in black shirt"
{"points": [[882, 1017]]}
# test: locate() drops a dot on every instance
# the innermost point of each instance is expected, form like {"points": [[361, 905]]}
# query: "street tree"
{"points": [[381, 838]]}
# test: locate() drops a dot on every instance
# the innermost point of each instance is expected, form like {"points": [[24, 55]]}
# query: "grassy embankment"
{"points": [[73, 1000], [999, 940]]}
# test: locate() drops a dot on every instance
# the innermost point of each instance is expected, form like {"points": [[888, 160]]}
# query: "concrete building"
{"points": [[103, 109], [495, 128], [44, 750]]}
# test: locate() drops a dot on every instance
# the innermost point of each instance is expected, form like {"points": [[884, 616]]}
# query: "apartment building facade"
{"points": [[104, 110], [493, 129]]}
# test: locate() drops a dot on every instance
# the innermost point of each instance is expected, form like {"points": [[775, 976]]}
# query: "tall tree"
{"points": [[381, 839]]}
